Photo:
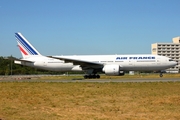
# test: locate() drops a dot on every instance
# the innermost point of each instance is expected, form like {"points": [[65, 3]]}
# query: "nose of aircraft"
{"points": [[174, 63]]}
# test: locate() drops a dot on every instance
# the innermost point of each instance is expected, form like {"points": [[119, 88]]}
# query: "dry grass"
{"points": [[90, 101]]}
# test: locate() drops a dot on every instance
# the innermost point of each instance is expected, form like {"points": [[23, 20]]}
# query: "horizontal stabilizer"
{"points": [[19, 60]]}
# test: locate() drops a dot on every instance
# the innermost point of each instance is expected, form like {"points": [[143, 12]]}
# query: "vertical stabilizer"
{"points": [[27, 50]]}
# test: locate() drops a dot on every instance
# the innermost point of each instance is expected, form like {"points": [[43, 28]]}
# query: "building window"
{"points": [[154, 49]]}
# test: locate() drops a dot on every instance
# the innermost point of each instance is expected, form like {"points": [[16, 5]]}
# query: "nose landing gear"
{"points": [[161, 74]]}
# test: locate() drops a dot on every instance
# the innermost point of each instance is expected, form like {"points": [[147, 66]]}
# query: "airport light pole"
{"points": [[10, 58], [11, 65]]}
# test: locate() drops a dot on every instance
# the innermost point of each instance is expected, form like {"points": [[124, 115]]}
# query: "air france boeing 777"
{"points": [[91, 64]]}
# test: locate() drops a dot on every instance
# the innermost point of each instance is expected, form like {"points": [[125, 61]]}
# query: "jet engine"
{"points": [[112, 70]]}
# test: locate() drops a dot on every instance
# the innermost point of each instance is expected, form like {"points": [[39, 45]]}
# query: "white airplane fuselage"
{"points": [[126, 62]]}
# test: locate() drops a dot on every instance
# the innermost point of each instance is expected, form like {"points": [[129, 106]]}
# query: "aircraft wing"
{"points": [[82, 63]]}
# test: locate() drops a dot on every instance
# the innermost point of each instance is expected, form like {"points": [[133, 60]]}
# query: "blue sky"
{"points": [[78, 27]]}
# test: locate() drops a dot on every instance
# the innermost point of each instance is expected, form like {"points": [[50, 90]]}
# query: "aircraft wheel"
{"points": [[161, 75], [94, 76], [98, 76], [85, 76], [91, 76]]}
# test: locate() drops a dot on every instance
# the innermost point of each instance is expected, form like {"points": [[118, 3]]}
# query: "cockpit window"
{"points": [[170, 59]]}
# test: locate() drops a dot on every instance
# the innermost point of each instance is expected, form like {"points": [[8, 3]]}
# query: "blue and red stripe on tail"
{"points": [[25, 47]]}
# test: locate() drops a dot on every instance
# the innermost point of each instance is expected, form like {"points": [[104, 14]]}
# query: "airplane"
{"points": [[112, 65]]}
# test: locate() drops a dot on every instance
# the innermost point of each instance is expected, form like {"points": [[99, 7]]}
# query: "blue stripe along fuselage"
{"points": [[25, 44]]}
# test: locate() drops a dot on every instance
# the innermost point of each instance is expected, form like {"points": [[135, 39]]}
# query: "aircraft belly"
{"points": [[143, 66], [61, 67], [55, 66]]}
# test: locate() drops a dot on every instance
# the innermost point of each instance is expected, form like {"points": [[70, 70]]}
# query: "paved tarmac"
{"points": [[99, 80]]}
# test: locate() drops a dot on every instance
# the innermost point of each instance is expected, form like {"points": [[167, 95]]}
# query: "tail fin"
{"points": [[27, 50]]}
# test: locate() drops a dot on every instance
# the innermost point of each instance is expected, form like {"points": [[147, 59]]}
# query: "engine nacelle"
{"points": [[112, 70]]}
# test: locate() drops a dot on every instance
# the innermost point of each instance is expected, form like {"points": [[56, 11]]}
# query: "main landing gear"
{"points": [[91, 76]]}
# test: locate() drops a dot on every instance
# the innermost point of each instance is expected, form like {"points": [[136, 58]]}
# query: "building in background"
{"points": [[171, 50]]}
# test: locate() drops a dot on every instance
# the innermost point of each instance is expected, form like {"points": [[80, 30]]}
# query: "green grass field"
{"points": [[90, 101]]}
